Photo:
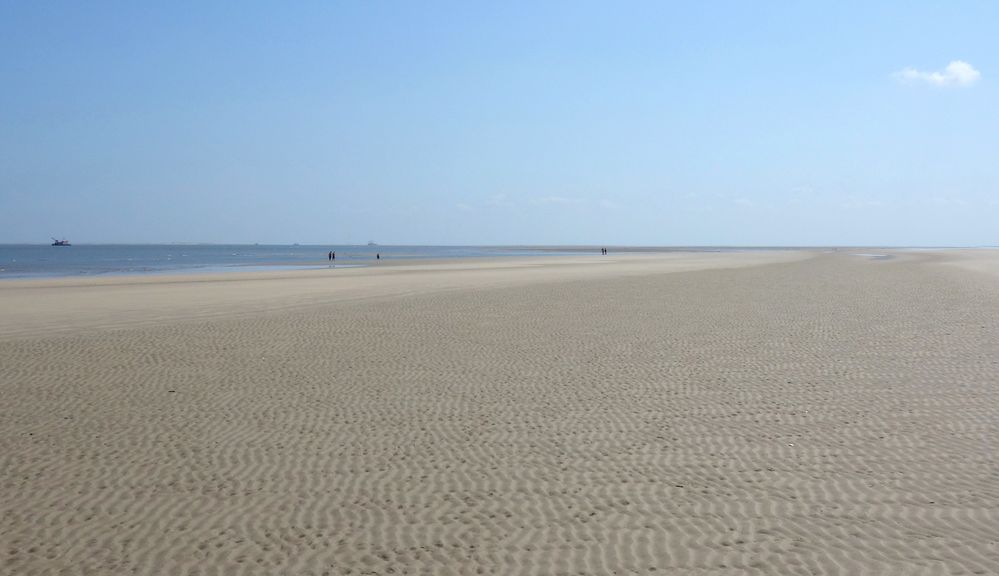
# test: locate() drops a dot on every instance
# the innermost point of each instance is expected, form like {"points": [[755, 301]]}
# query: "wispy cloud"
{"points": [[957, 73]]}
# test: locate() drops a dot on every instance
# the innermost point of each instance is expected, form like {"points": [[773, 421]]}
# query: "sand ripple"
{"points": [[829, 416]]}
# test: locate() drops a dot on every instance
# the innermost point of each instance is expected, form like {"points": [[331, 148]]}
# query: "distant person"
{"points": [[330, 255], [378, 256]]}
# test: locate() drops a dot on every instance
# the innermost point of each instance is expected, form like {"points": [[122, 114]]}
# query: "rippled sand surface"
{"points": [[741, 414]]}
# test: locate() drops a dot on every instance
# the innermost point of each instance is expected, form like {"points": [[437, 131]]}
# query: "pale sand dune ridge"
{"points": [[829, 415]]}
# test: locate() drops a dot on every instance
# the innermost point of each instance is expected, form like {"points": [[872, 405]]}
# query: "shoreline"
{"points": [[350, 256]]}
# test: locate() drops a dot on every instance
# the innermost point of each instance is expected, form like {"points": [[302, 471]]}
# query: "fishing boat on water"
{"points": [[63, 242]]}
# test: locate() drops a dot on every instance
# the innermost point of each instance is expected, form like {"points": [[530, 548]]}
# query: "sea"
{"points": [[44, 261]]}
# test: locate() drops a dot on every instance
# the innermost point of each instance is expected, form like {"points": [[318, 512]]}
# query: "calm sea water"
{"points": [[39, 261]]}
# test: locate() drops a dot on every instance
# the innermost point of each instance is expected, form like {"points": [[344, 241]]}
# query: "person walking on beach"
{"points": [[330, 255]]}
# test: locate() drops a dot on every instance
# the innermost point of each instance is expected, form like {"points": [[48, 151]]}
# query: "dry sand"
{"points": [[755, 413], [980, 260]]}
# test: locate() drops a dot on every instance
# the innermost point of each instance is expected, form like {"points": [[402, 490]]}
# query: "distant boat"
{"points": [[372, 243], [63, 242]]}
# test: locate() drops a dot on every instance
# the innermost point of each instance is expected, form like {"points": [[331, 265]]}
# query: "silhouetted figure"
{"points": [[378, 256], [333, 256], [330, 255]]}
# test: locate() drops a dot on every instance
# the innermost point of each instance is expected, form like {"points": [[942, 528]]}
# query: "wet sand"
{"points": [[752, 413]]}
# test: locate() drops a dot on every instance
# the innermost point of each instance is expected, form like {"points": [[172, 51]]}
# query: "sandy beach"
{"points": [[810, 412]]}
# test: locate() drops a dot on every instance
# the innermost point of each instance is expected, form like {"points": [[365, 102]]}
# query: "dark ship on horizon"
{"points": [[63, 242]]}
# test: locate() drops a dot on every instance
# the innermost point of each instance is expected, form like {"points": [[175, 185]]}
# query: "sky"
{"points": [[618, 123]]}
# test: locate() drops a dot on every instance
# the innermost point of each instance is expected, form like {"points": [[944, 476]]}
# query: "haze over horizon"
{"points": [[447, 123]]}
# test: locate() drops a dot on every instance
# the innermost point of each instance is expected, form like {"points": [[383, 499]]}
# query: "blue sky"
{"points": [[644, 123]]}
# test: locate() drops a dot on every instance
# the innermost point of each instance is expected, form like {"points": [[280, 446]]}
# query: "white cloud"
{"points": [[957, 73]]}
